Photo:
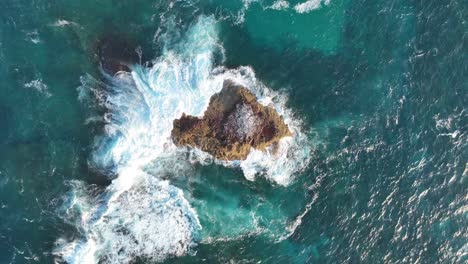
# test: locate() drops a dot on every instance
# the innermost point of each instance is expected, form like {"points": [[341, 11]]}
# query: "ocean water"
{"points": [[375, 92]]}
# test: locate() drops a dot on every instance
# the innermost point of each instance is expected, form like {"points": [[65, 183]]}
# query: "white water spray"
{"points": [[140, 214]]}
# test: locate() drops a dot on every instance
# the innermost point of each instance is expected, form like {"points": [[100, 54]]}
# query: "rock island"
{"points": [[233, 124]]}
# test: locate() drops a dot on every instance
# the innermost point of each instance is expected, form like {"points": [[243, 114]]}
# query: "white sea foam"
{"points": [[310, 5], [280, 5], [183, 81], [140, 214], [62, 23], [39, 86]]}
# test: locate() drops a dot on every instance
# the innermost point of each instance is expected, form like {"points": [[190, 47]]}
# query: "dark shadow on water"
{"points": [[325, 86], [319, 86]]}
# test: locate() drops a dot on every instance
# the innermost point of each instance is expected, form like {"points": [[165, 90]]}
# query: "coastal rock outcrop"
{"points": [[234, 123]]}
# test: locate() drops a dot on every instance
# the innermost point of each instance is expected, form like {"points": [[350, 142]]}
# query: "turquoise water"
{"points": [[375, 91]]}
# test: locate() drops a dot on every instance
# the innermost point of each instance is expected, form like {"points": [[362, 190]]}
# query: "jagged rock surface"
{"points": [[233, 124]]}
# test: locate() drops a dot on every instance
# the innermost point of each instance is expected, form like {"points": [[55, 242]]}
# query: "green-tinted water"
{"points": [[381, 88]]}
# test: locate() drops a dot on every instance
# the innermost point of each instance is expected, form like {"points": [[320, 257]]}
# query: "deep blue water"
{"points": [[375, 91]]}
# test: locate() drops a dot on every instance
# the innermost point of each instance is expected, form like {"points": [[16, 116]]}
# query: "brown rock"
{"points": [[233, 124]]}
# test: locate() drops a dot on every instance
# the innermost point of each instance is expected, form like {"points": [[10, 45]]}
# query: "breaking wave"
{"points": [[141, 215]]}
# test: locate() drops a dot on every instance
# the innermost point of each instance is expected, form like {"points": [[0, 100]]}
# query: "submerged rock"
{"points": [[115, 53], [233, 124]]}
